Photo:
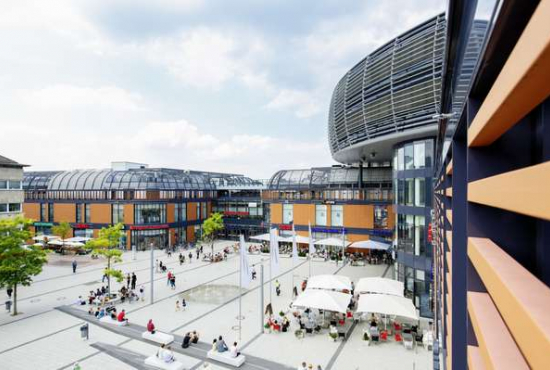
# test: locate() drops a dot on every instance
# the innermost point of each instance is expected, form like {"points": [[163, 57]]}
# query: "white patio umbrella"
{"points": [[370, 244], [299, 239], [262, 237], [333, 242], [380, 286], [387, 305], [41, 238], [55, 242], [74, 244], [323, 300], [329, 282], [80, 239]]}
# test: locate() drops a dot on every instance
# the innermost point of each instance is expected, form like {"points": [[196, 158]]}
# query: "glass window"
{"points": [[401, 192], [15, 207], [409, 156], [78, 209], [87, 215], [150, 213], [204, 210], [419, 154], [288, 213], [3, 184], [380, 217], [3, 208], [337, 215], [50, 212], [42, 212], [117, 213], [409, 192], [420, 192], [321, 215], [419, 242], [420, 275], [198, 211], [429, 153], [409, 233], [400, 159]]}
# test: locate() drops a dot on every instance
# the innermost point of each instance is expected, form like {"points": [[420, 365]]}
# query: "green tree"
{"points": [[63, 230], [210, 228], [106, 246], [18, 262]]}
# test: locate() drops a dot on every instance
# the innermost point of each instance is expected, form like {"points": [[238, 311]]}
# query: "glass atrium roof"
{"points": [[327, 178]]}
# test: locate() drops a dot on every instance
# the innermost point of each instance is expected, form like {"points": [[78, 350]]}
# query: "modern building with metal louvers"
{"points": [[389, 96]]}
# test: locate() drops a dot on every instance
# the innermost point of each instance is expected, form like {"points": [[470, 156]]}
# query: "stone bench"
{"points": [[154, 361], [109, 320], [158, 337], [225, 357]]}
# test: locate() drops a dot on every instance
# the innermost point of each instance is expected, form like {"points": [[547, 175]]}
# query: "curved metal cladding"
{"points": [[394, 89]]}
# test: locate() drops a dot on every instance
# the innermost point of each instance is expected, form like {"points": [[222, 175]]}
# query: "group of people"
{"points": [[171, 280], [97, 296], [218, 345], [305, 366], [166, 354], [183, 305], [190, 338]]}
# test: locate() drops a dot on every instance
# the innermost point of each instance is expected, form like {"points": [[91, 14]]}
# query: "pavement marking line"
{"points": [[131, 358], [80, 360], [40, 338], [386, 271]]}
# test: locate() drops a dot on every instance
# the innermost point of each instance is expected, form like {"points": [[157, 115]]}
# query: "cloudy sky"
{"points": [[237, 86]]}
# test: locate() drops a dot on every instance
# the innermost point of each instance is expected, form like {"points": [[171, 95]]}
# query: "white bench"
{"points": [[154, 361], [226, 358], [158, 337], [109, 320]]}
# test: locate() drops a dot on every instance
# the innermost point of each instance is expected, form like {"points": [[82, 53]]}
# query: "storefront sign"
{"points": [[285, 227], [252, 205], [430, 237], [81, 226], [43, 224], [329, 231], [231, 213], [150, 227]]}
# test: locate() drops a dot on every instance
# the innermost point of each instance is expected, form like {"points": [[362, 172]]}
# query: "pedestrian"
{"points": [[183, 304], [134, 280], [173, 282], [277, 288], [76, 366], [74, 266], [181, 259], [198, 252], [157, 266], [9, 291], [104, 276], [142, 292], [128, 279], [190, 257], [178, 308], [8, 306], [201, 248], [303, 367], [168, 278]]}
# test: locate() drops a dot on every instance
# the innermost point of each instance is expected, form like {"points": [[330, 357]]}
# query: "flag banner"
{"points": [[246, 272], [311, 245], [343, 241], [294, 247], [274, 251]]}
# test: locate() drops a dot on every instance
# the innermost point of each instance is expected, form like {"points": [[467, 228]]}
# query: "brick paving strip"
{"points": [[197, 351]]}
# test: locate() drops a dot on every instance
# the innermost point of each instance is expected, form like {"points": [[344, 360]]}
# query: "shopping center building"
{"points": [[347, 202], [382, 114], [492, 188]]}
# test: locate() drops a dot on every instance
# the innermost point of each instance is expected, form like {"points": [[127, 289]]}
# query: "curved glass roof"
{"points": [[327, 178], [107, 179]]}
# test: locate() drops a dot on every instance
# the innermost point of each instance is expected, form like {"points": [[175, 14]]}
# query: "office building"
{"points": [[11, 190]]}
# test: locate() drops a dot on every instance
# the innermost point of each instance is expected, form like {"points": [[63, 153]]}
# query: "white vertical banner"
{"points": [[311, 245], [274, 251], [294, 247], [246, 272], [343, 241]]}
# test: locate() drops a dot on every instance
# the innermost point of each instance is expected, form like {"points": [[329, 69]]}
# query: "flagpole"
{"points": [[270, 265], [240, 287]]}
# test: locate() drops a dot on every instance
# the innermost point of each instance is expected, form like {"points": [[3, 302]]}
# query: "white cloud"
{"points": [[302, 103]]}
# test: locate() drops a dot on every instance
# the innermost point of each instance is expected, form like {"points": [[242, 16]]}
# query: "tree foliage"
{"points": [[211, 226], [62, 230], [106, 245], [18, 262]]}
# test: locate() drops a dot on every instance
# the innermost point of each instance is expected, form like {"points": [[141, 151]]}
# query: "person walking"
{"points": [[9, 291], [134, 280], [104, 276], [128, 279], [173, 282], [168, 278], [181, 259], [277, 288], [74, 266], [142, 292], [198, 253]]}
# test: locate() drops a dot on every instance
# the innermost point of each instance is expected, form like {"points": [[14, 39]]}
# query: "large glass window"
{"points": [[150, 213], [198, 215], [78, 211], [419, 241], [87, 213], [43, 212], [118, 213], [321, 215], [3, 184], [409, 151], [337, 215], [429, 153], [288, 213], [15, 185], [180, 212], [15, 207], [420, 192], [419, 154], [409, 233], [3, 208], [50, 212], [380, 217], [400, 159], [401, 192], [204, 210], [409, 192]]}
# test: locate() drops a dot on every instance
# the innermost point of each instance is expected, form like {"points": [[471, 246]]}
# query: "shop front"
{"points": [[143, 236]]}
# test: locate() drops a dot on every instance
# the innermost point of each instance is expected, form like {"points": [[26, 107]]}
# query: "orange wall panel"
{"points": [[64, 212], [391, 217], [191, 211], [170, 207], [32, 210], [276, 210], [128, 214], [100, 213], [190, 234], [304, 214], [360, 216]]}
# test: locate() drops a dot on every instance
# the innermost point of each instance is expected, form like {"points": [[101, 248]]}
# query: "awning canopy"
{"points": [[80, 239], [370, 244], [329, 282], [380, 286], [55, 242], [323, 300], [299, 239], [387, 305], [334, 242], [263, 237]]}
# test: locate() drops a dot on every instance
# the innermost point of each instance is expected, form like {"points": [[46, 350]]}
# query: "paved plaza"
{"points": [[47, 333]]}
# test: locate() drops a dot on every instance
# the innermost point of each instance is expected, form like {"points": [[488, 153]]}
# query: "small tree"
{"points": [[105, 245], [210, 228], [18, 263], [63, 230]]}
